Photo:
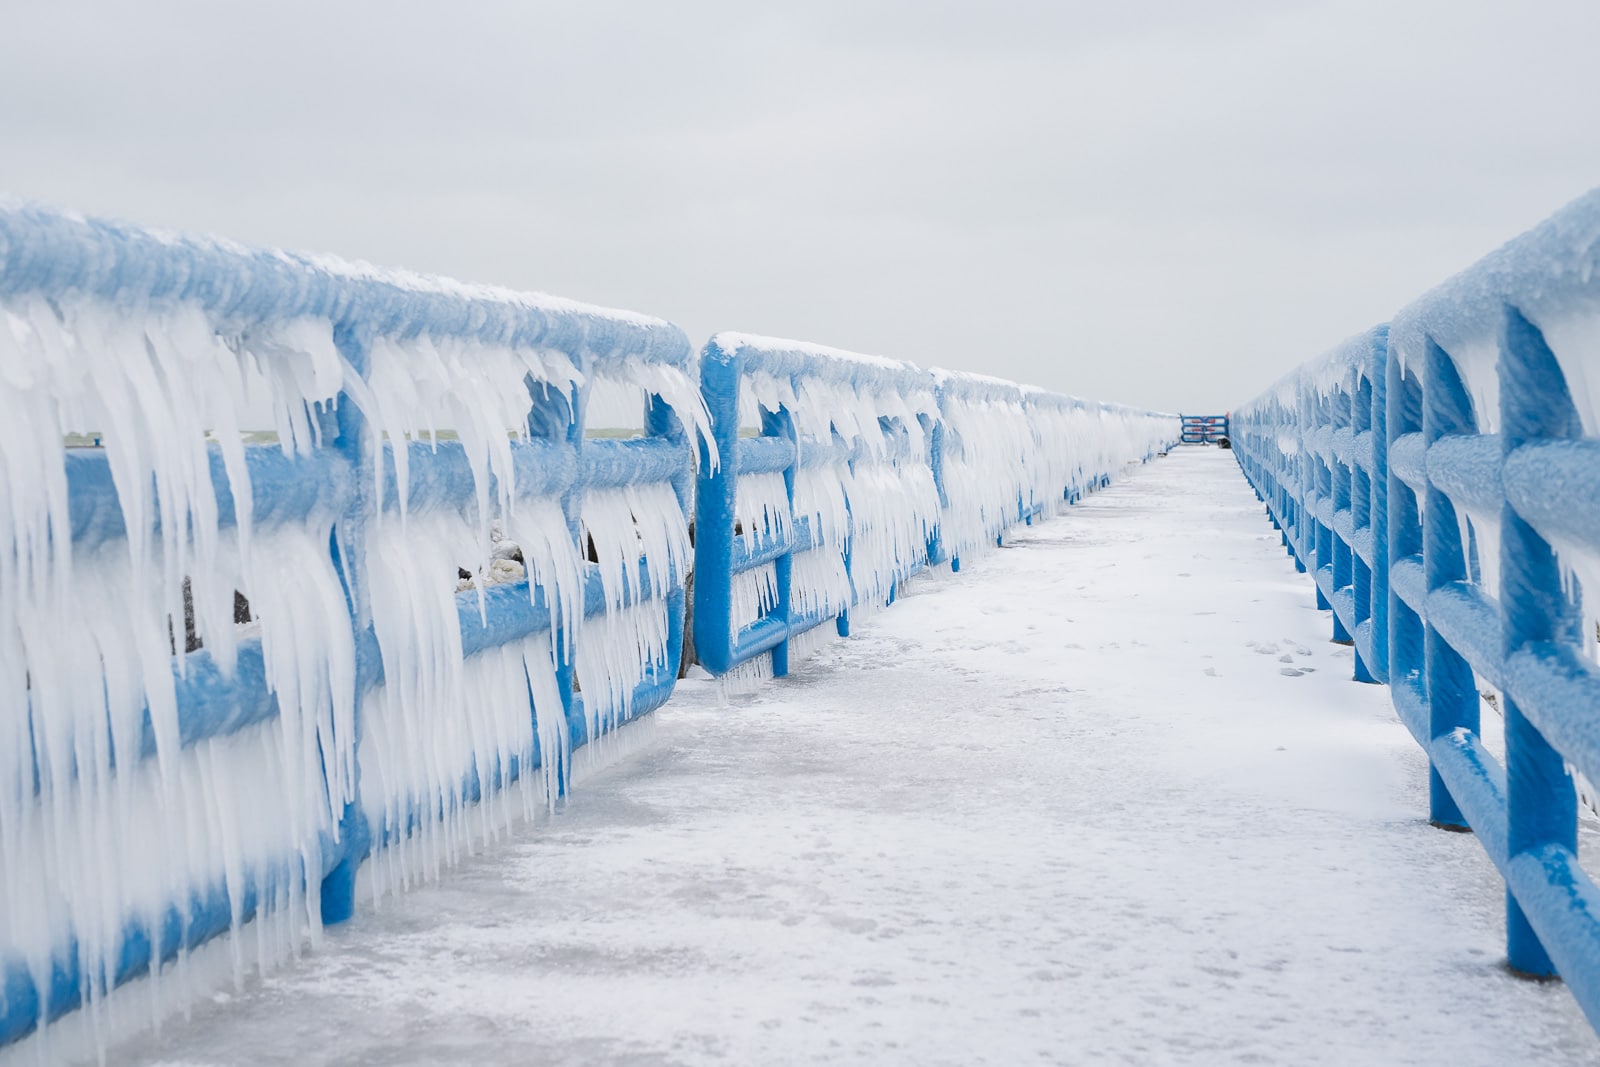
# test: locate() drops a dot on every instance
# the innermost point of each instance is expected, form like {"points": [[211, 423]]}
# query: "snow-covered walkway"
{"points": [[1108, 795]]}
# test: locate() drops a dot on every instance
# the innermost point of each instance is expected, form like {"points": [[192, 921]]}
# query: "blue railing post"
{"points": [[1541, 806], [359, 444], [660, 421], [1378, 374], [557, 416], [714, 512], [1403, 421], [1339, 479], [1452, 691], [781, 424]]}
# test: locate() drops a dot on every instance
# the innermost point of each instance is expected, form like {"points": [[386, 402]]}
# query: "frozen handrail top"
{"points": [[45, 250], [1548, 273], [785, 356]]}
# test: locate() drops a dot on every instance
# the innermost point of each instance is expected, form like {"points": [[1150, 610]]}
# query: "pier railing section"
{"points": [[1441, 479], [842, 475], [1204, 429], [345, 581]]}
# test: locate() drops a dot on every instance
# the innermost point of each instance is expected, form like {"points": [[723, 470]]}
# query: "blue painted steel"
{"points": [[1473, 490], [1204, 429], [722, 552], [52, 254]]}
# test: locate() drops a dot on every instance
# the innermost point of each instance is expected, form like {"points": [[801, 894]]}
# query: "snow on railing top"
{"points": [[1551, 275], [47, 251]]}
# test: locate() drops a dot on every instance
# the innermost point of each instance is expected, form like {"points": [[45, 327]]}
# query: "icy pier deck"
{"points": [[1108, 795]]}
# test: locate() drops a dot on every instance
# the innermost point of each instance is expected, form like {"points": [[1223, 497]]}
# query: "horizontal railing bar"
{"points": [[1343, 602], [1555, 487], [1361, 451], [768, 549], [757, 638], [1344, 525], [1477, 782], [1409, 582], [1408, 461], [209, 914], [1466, 468], [1411, 701], [1563, 906], [44, 251], [1361, 543], [1342, 444], [1558, 691], [213, 705], [283, 490], [440, 475], [1363, 639], [1470, 621], [765, 455], [608, 464]]}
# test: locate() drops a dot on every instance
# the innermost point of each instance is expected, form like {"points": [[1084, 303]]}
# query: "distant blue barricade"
{"points": [[1439, 477], [1204, 429]]}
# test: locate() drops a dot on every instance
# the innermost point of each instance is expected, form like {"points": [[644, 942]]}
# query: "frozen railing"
{"points": [[1204, 429], [448, 588], [1441, 480], [842, 475]]}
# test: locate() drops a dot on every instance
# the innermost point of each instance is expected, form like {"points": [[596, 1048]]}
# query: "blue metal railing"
{"points": [[1440, 479], [1204, 429], [849, 475], [972, 456], [60, 263]]}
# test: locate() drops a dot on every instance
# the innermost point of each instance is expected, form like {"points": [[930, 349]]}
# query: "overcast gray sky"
{"points": [[1166, 203]]}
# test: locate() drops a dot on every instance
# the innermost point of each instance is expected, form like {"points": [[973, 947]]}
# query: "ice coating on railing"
{"points": [[1014, 451], [877, 469], [1440, 479], [1551, 275], [226, 777], [90, 733]]}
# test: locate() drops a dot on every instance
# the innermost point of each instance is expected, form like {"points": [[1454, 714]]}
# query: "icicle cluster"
{"points": [[891, 460], [134, 811], [107, 818], [1012, 451]]}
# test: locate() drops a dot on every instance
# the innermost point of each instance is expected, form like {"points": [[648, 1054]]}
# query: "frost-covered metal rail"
{"points": [[1440, 479], [450, 578], [151, 798], [843, 474]]}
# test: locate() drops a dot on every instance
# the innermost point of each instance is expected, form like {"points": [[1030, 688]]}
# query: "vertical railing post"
{"points": [[714, 507], [555, 416], [1378, 365], [933, 427], [660, 421], [359, 443], [1452, 691], [1541, 806], [1339, 477], [780, 423], [1403, 519], [1361, 513]]}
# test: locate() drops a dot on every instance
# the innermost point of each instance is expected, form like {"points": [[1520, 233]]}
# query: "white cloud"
{"points": [[1166, 203]]}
